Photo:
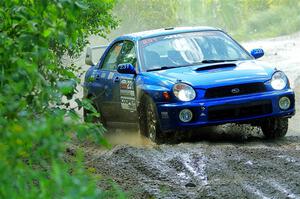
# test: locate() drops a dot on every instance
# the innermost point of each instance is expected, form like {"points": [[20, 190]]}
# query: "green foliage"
{"points": [[279, 19], [139, 15], [35, 121], [244, 19]]}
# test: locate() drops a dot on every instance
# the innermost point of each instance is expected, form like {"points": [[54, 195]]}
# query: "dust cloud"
{"points": [[129, 136]]}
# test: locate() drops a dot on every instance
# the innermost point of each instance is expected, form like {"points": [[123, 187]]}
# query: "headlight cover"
{"points": [[279, 80], [184, 92]]}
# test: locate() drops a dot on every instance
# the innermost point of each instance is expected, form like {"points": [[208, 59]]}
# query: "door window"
{"points": [[128, 54], [111, 59]]}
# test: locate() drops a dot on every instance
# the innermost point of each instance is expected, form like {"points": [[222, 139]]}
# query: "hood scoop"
{"points": [[215, 66]]}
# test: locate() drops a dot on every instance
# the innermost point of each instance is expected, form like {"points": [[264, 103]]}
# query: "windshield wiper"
{"points": [[207, 61], [161, 68]]}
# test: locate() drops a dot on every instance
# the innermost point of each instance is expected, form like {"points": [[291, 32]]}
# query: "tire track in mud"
{"points": [[156, 171], [253, 169], [249, 169]]}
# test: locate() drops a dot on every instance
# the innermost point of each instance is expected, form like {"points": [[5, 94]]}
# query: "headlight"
{"points": [[279, 80], [184, 92]]}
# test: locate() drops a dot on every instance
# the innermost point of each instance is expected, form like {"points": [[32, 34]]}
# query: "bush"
{"points": [[244, 19], [278, 20], [141, 15], [35, 123]]}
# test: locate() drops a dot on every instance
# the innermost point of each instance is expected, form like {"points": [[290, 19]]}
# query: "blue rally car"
{"points": [[175, 79]]}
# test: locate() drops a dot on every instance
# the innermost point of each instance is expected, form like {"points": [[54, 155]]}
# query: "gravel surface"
{"points": [[228, 161], [254, 168]]}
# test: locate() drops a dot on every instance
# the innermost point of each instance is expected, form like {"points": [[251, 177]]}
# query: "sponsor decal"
{"points": [[127, 95], [103, 75], [110, 75], [146, 42]]}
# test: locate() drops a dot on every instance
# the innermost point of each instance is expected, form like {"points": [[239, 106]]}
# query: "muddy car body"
{"points": [[180, 78]]}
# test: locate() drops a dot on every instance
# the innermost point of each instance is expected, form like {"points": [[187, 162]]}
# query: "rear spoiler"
{"points": [[89, 54]]}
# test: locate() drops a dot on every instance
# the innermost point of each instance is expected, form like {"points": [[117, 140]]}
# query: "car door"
{"points": [[106, 76], [124, 86]]}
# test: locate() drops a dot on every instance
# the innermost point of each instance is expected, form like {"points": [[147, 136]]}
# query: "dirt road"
{"points": [[209, 169], [223, 162]]}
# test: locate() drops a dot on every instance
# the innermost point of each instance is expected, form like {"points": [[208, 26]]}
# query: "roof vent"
{"points": [[215, 66], [169, 28]]}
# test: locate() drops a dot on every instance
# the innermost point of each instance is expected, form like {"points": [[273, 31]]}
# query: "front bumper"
{"points": [[235, 109]]}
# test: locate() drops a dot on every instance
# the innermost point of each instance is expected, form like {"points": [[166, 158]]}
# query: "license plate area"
{"points": [[237, 111]]}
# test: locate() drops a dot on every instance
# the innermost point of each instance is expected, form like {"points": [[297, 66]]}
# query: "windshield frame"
{"points": [[141, 57]]}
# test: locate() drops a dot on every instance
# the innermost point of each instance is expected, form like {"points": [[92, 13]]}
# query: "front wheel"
{"points": [[275, 127], [150, 123]]}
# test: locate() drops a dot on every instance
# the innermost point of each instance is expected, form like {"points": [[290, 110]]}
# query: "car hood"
{"points": [[219, 74]]}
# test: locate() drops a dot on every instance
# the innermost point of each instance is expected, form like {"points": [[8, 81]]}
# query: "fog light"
{"points": [[284, 103], [185, 115]]}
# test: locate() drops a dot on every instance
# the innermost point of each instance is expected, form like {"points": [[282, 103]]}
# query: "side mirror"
{"points": [[126, 68], [89, 57], [89, 54], [257, 53]]}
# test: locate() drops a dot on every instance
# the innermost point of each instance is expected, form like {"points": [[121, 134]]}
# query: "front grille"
{"points": [[236, 111], [227, 91]]}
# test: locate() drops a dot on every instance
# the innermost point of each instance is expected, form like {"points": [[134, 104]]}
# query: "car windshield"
{"points": [[185, 49]]}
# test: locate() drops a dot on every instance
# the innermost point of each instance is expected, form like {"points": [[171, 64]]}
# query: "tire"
{"points": [[275, 127], [149, 122], [142, 118]]}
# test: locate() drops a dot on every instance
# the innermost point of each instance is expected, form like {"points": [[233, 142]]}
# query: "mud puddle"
{"points": [[251, 168], [228, 161]]}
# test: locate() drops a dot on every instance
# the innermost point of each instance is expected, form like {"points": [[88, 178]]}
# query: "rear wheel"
{"points": [[275, 127]]}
